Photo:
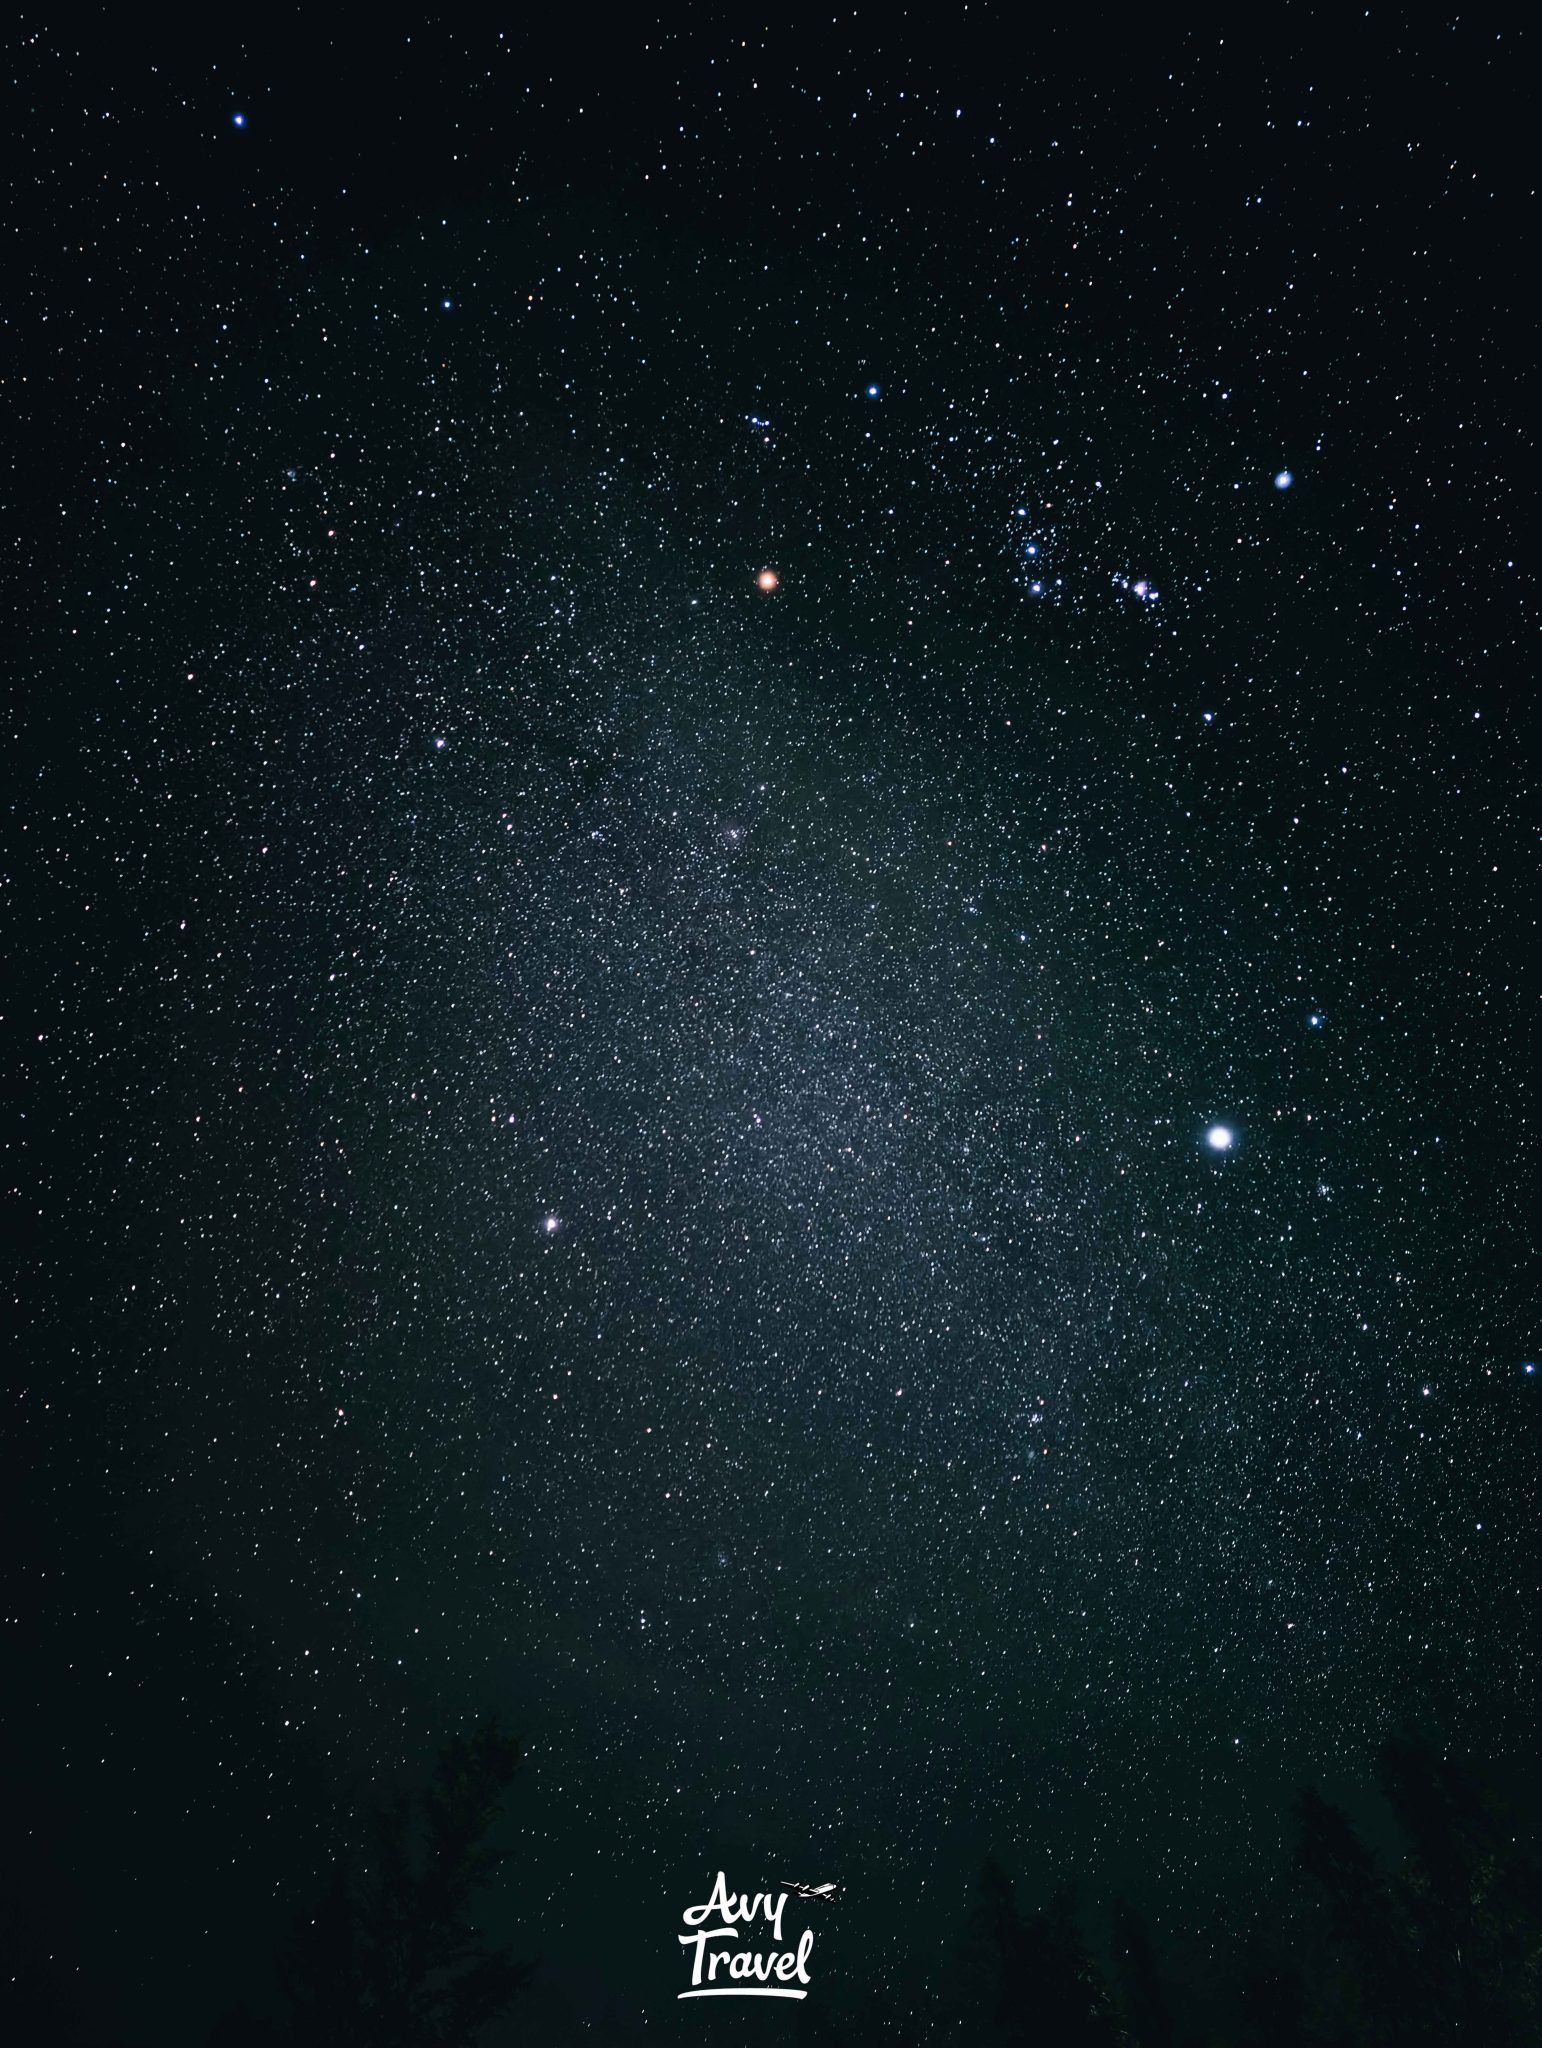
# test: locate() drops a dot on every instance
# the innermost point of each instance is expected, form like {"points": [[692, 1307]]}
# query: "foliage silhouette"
{"points": [[392, 1958], [1443, 1946], [1142, 1993], [1035, 1976], [1447, 1947]]}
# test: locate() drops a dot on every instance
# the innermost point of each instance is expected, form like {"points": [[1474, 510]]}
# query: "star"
{"points": [[1219, 1138], [1283, 480], [767, 580]]}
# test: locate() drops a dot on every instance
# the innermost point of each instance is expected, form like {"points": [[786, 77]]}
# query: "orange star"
{"points": [[767, 579]]}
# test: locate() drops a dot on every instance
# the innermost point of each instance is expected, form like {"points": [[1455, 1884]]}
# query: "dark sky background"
{"points": [[597, 1142]]}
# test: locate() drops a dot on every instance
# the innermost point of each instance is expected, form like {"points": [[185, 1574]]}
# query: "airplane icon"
{"points": [[810, 1891]]}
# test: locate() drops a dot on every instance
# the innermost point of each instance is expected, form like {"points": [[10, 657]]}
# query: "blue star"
{"points": [[238, 120], [1284, 480], [873, 390], [1219, 1138], [1315, 1020]]}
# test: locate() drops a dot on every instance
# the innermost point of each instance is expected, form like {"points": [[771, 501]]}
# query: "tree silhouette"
{"points": [[1035, 1978], [392, 1958], [1470, 1897], [1142, 1993], [1448, 1946], [1270, 1996], [1362, 1959], [1442, 1945], [1070, 2001], [992, 1997]]}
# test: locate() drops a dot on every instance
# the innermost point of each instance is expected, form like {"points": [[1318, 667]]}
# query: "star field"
{"points": [[777, 882]]}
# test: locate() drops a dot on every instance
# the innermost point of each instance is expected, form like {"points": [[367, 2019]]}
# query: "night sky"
{"points": [[772, 913]]}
